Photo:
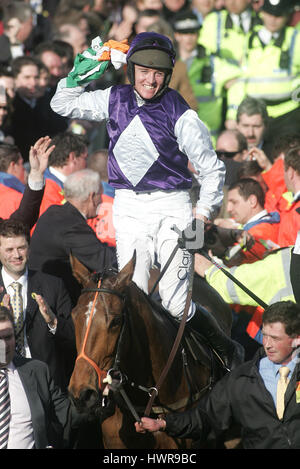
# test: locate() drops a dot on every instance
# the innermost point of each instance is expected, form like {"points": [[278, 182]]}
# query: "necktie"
{"points": [[17, 306], [4, 409], [281, 388]]}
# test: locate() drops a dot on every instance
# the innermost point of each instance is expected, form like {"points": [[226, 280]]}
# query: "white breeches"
{"points": [[143, 222]]}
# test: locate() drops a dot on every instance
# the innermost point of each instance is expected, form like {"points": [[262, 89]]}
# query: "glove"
{"points": [[192, 237], [93, 62]]}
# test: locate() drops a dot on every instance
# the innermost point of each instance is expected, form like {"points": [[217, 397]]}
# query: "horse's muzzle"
{"points": [[87, 402]]}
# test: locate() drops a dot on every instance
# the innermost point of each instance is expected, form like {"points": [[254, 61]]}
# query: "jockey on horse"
{"points": [[153, 135]]}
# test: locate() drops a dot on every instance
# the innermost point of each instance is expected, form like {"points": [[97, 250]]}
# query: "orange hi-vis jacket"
{"points": [[53, 194], [11, 193], [290, 224], [274, 178], [264, 230], [102, 224]]}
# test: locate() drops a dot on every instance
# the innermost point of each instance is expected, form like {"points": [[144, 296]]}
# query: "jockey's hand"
{"points": [[150, 425], [45, 311], [201, 217], [192, 237], [38, 158]]}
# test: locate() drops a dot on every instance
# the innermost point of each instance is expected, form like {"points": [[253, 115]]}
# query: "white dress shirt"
{"points": [[20, 427], [57, 173], [266, 36], [244, 20], [296, 196], [259, 215], [297, 244]]}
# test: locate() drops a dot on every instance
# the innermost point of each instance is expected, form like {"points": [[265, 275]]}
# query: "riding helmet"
{"points": [[151, 50]]}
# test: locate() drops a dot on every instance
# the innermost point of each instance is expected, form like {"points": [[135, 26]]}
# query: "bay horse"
{"points": [[125, 338]]}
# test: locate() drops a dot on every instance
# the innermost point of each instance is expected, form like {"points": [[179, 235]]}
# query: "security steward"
{"points": [[271, 63], [223, 32]]}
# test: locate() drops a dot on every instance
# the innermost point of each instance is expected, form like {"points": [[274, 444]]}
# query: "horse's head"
{"points": [[98, 318]]}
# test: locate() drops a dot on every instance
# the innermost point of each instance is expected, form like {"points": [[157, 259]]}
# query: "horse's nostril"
{"points": [[88, 397]]}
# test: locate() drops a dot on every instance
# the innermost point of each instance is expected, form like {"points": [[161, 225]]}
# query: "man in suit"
{"points": [[44, 327], [36, 410], [62, 230]]}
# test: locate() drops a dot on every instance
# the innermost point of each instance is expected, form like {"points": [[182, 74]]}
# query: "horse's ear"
{"points": [[80, 272], [124, 277]]}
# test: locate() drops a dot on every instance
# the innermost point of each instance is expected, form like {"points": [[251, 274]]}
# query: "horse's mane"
{"points": [[159, 312]]}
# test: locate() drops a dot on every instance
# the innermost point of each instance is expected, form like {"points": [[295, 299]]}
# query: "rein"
{"points": [[171, 356], [175, 344]]}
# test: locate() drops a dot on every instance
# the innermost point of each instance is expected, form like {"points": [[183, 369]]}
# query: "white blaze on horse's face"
{"points": [[88, 312]]}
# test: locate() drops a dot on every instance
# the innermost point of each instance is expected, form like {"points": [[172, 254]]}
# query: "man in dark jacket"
{"points": [[249, 394], [62, 230]]}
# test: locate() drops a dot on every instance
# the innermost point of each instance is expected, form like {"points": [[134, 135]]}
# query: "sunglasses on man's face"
{"points": [[226, 154]]}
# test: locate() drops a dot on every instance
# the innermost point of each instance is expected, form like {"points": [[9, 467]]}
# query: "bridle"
{"points": [[101, 374]]}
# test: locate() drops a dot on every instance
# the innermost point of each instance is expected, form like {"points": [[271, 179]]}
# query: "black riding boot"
{"points": [[231, 352]]}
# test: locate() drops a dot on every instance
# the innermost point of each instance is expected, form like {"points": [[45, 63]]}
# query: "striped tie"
{"points": [[4, 409], [17, 306]]}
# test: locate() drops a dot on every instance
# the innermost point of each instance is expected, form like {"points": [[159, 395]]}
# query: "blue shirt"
{"points": [[269, 372]]}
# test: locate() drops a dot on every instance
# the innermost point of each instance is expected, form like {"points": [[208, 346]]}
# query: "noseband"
{"points": [[100, 373]]}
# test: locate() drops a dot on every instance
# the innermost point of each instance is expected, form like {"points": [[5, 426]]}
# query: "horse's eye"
{"points": [[117, 320]]}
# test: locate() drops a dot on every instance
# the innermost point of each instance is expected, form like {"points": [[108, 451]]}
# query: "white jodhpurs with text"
{"points": [[143, 222]]}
